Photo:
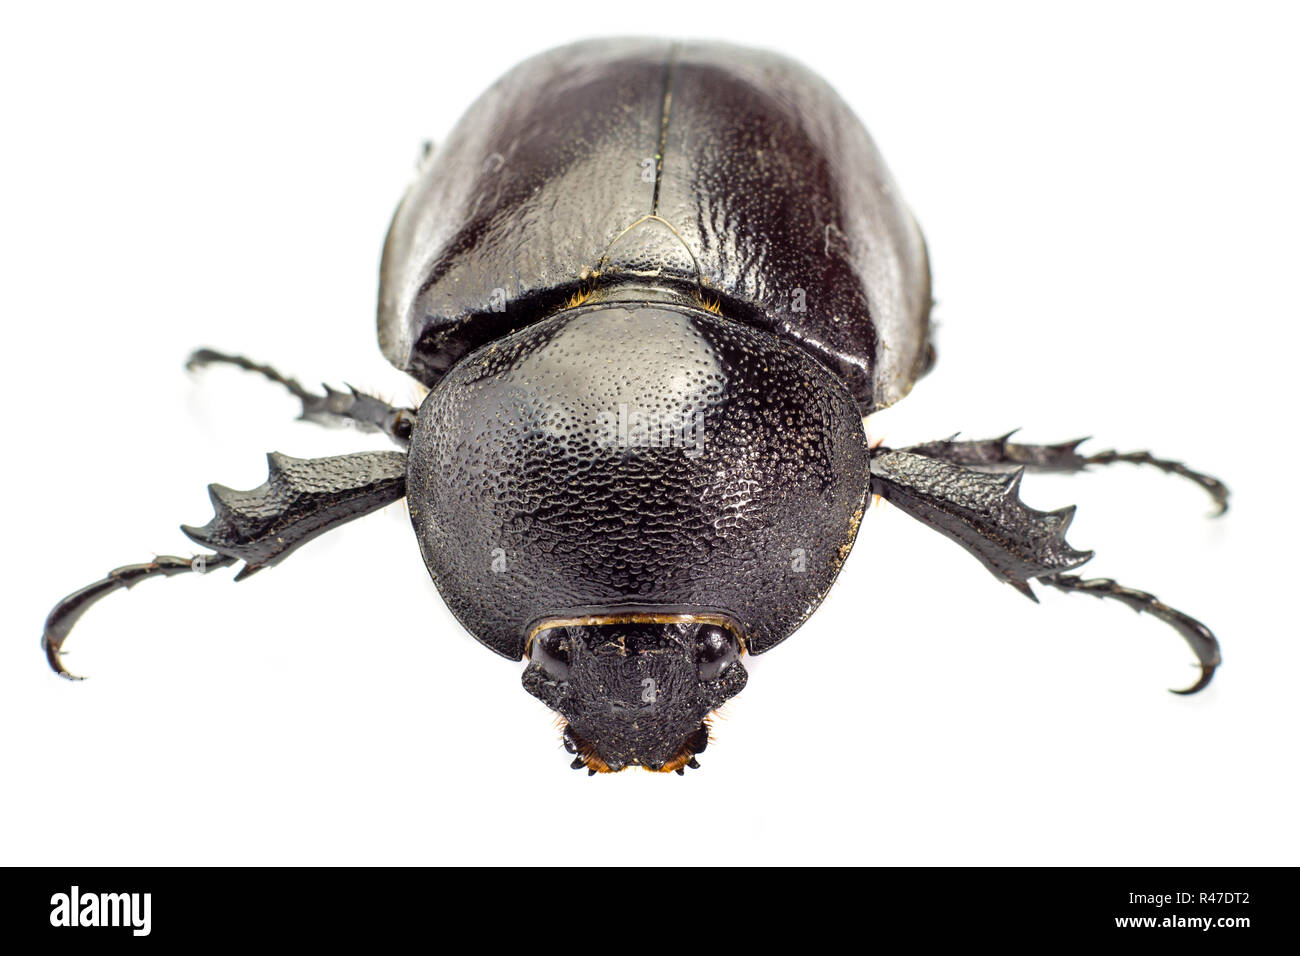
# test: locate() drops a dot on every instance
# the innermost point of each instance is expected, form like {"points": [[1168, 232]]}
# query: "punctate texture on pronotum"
{"points": [[654, 289]]}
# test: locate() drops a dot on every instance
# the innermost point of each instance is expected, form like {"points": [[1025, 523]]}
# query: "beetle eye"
{"points": [[551, 653], [716, 649]]}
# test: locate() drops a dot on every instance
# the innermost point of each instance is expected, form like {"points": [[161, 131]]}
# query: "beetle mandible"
{"points": [[654, 289]]}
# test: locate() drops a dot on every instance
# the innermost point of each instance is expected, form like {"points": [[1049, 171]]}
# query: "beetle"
{"points": [[654, 289]]}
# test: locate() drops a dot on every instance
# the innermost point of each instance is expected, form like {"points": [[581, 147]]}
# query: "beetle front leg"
{"points": [[364, 411], [1062, 457], [983, 513], [300, 500]]}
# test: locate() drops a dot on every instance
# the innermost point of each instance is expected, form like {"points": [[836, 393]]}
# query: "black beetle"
{"points": [[654, 289]]}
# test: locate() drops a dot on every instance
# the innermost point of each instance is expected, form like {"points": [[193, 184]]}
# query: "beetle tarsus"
{"points": [[1207, 673], [1199, 637], [67, 612], [1216, 489], [334, 407], [1061, 457]]}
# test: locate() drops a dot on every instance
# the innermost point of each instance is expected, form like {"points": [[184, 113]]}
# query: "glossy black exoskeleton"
{"points": [[654, 288]]}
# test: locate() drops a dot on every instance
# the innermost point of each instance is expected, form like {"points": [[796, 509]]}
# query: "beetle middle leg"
{"points": [[1061, 457], [364, 411]]}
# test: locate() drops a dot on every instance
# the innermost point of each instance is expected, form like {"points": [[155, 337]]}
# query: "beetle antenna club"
{"points": [[642, 452]]}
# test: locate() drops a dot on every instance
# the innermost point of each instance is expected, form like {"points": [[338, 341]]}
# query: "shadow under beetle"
{"points": [[654, 288]]}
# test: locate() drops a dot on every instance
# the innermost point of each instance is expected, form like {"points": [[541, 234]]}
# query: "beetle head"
{"points": [[635, 691]]}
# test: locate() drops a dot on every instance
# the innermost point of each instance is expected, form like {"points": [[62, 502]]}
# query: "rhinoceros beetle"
{"points": [[654, 289]]}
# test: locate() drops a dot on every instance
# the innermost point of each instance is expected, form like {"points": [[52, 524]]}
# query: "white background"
{"points": [[1110, 198]]}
